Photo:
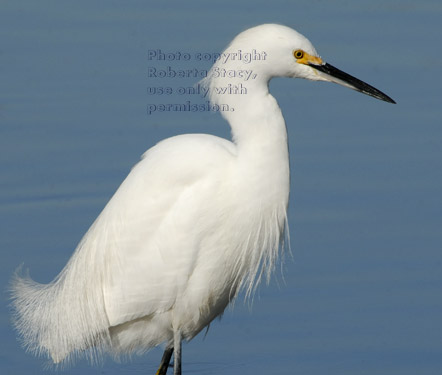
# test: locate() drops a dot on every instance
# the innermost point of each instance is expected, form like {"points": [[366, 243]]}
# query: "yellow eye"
{"points": [[299, 54]]}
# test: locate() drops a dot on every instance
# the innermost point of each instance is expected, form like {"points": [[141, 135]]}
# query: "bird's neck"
{"points": [[260, 135], [258, 127]]}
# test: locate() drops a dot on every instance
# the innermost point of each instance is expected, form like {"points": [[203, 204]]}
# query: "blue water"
{"points": [[363, 291]]}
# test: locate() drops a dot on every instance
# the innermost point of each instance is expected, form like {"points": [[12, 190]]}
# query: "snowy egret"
{"points": [[198, 219]]}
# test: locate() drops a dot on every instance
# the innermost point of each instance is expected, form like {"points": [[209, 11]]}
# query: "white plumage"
{"points": [[197, 219]]}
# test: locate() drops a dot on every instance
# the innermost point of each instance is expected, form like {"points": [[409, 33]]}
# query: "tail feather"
{"points": [[61, 319]]}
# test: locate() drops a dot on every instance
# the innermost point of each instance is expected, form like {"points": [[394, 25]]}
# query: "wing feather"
{"points": [[149, 244]]}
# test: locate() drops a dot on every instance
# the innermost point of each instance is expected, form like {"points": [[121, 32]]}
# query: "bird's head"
{"points": [[280, 51]]}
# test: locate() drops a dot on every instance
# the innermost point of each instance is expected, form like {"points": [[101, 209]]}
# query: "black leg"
{"points": [[165, 361], [177, 353]]}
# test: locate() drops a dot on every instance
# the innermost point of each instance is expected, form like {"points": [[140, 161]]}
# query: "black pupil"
{"points": [[299, 54]]}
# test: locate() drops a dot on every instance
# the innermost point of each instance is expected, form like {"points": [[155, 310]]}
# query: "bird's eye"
{"points": [[299, 54]]}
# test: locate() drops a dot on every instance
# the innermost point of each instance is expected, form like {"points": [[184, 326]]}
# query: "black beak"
{"points": [[338, 76]]}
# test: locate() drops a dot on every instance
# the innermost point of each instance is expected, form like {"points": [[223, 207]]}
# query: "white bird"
{"points": [[196, 220]]}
